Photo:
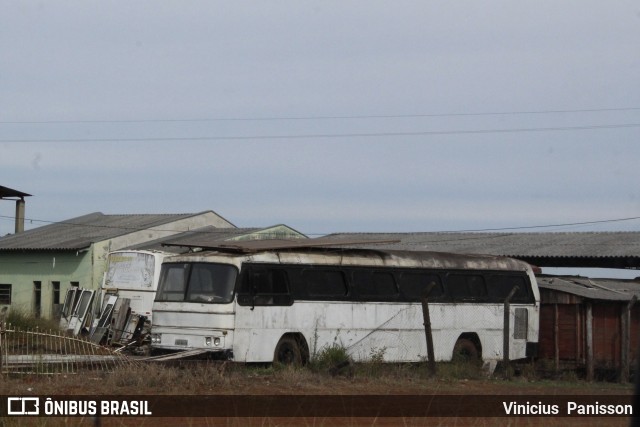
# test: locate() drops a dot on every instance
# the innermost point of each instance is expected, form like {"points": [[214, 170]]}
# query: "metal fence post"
{"points": [[507, 332], [427, 329]]}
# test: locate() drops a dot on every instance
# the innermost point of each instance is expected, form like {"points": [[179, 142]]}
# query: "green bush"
{"points": [[330, 357]]}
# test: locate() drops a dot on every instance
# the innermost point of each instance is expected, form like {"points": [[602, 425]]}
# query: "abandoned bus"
{"points": [[128, 290], [287, 306], [133, 275]]}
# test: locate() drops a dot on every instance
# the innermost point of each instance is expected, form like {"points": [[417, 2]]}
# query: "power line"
{"points": [[227, 230], [530, 227], [345, 117], [337, 135]]}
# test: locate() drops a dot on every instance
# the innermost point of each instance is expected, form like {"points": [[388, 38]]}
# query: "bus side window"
{"points": [[500, 285], [265, 287], [413, 286], [329, 284], [465, 287], [375, 286]]}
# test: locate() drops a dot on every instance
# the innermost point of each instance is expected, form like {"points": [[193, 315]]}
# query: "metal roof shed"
{"points": [[589, 323], [578, 249]]}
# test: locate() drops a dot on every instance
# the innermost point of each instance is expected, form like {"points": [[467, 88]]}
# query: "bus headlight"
{"points": [[156, 338], [212, 342]]}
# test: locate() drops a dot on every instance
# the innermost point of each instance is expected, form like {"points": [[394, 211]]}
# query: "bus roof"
{"points": [[360, 257], [261, 245]]}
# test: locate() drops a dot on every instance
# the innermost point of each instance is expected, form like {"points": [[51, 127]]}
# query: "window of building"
{"points": [[5, 294], [37, 299], [55, 286]]}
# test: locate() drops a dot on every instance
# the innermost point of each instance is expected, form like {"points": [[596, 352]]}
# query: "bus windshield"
{"points": [[197, 282]]}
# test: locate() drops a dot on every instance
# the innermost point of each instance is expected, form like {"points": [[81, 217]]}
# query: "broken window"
{"points": [[69, 303]]}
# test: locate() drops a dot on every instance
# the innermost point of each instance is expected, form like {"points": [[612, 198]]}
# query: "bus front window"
{"points": [[173, 282], [211, 283], [197, 282]]}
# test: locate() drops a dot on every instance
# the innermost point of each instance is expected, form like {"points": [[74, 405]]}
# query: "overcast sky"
{"points": [[326, 116]]}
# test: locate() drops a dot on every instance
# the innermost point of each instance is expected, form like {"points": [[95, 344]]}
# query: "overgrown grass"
{"points": [[20, 320], [330, 361]]}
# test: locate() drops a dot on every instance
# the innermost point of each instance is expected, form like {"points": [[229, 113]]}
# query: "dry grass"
{"points": [[214, 378], [232, 378]]}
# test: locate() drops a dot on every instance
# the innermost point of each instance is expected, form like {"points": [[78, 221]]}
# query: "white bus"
{"points": [[127, 294], [286, 306], [134, 275]]}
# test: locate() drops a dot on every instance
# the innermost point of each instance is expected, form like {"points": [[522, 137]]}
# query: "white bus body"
{"points": [[289, 305], [134, 275]]}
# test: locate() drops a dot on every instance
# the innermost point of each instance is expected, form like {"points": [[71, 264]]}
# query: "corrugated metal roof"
{"points": [[624, 247], [594, 289], [207, 237], [259, 245], [209, 233], [81, 232]]}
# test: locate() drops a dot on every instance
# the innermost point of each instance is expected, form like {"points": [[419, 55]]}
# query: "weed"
{"points": [[375, 364], [329, 357], [20, 320], [376, 355]]}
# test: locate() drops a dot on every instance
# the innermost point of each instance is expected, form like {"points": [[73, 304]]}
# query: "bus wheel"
{"points": [[465, 351], [288, 352]]}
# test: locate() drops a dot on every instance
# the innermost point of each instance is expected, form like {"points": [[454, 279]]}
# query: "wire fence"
{"points": [[36, 351]]}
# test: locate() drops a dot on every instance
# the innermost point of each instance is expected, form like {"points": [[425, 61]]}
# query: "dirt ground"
{"points": [[227, 379]]}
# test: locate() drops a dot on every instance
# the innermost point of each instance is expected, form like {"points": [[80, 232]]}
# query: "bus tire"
{"points": [[465, 350], [288, 352]]}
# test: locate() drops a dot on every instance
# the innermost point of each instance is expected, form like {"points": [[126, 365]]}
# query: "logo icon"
{"points": [[23, 406]]}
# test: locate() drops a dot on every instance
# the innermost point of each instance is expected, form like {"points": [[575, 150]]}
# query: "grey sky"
{"points": [[152, 107]]}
